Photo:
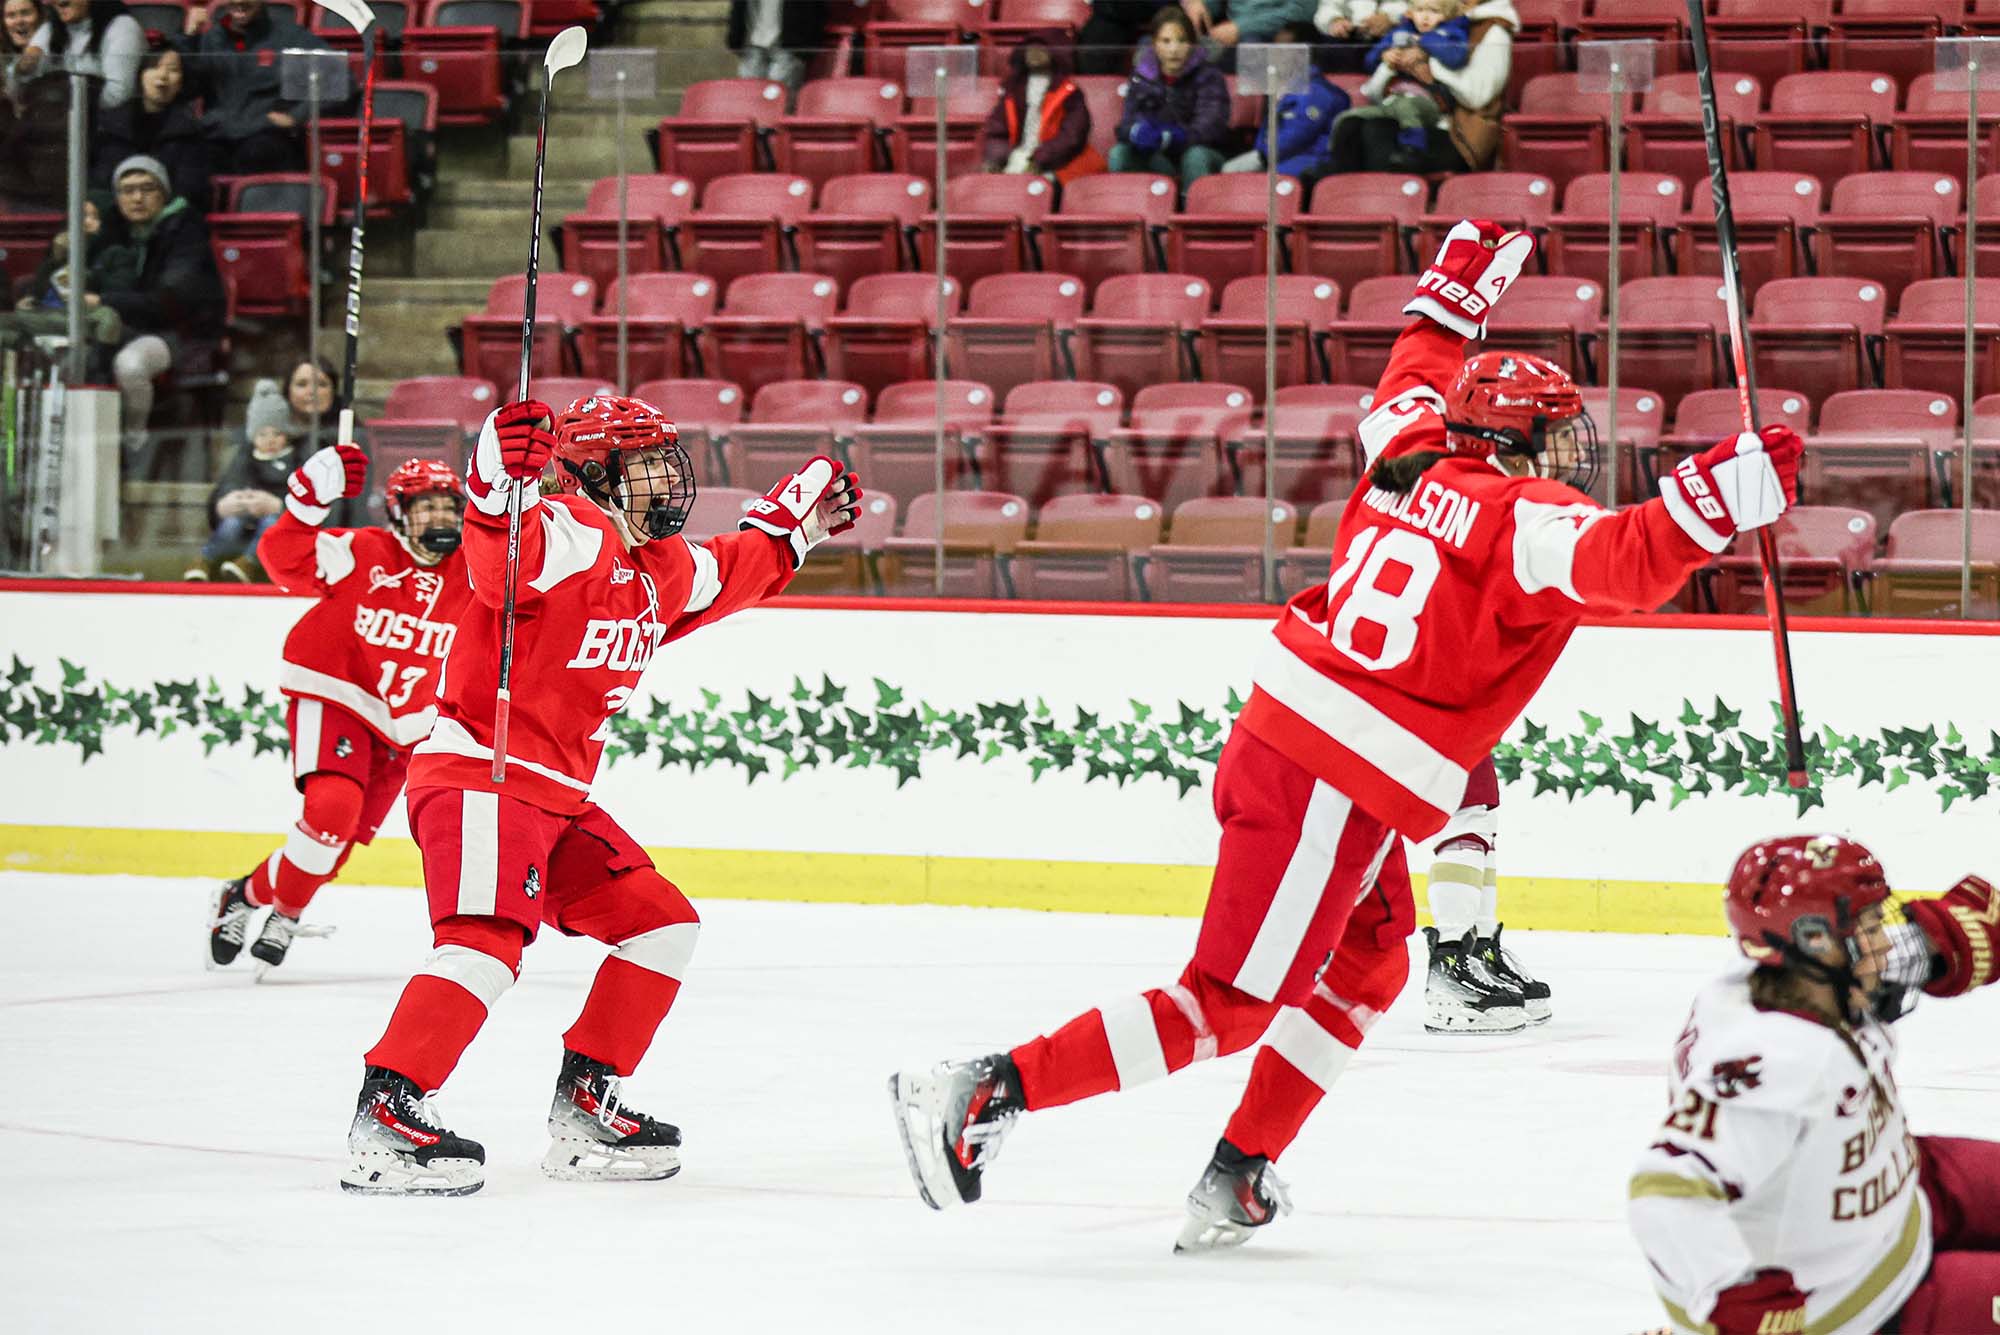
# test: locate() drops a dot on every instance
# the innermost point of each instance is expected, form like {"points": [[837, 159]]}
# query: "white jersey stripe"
{"points": [[474, 970], [1314, 1053], [402, 730], [1283, 930], [305, 738], [450, 738], [664, 950], [478, 853], [1134, 1040], [706, 585]]}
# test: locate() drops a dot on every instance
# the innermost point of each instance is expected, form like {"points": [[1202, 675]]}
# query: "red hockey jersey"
{"points": [[590, 615], [376, 641], [1446, 608]]}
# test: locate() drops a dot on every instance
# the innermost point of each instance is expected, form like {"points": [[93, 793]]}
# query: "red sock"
{"points": [[315, 850], [621, 1014], [442, 1008]]}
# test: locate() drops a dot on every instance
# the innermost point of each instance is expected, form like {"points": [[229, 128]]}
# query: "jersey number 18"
{"points": [[1396, 613]]}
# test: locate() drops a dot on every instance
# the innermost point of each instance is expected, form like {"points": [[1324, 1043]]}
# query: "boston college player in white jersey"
{"points": [[1785, 1193], [1459, 573], [359, 674], [604, 579]]}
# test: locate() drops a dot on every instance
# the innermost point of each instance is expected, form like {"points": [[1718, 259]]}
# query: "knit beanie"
{"points": [[153, 167], [267, 409]]}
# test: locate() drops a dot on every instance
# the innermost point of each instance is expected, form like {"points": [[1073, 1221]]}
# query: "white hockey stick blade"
{"points": [[357, 14], [566, 50]]}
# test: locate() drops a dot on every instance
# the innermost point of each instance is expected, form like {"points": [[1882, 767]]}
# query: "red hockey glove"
{"points": [[332, 473], [1768, 1303], [514, 447], [808, 507], [1743, 483], [1964, 929], [1476, 264]]}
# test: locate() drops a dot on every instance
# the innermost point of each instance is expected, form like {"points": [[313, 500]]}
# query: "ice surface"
{"points": [[169, 1138]]}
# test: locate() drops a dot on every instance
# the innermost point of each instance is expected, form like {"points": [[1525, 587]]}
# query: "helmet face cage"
{"points": [[663, 473], [1564, 449], [412, 481]]}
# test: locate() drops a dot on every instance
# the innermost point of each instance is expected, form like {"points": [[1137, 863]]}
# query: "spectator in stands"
{"points": [[1176, 107], [160, 124], [95, 36], [235, 68], [1225, 23], [310, 393], [1041, 122], [177, 296], [1352, 28], [774, 39], [18, 21], [1104, 46], [1426, 114], [1305, 119], [250, 494], [42, 299]]}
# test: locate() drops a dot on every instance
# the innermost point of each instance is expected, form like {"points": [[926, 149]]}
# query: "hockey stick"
{"points": [[362, 19], [1746, 389], [566, 50]]}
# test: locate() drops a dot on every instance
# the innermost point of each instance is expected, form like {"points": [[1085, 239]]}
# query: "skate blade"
{"points": [[1539, 1012], [1506, 1020], [1199, 1236], [908, 1090], [387, 1175], [572, 1159]]}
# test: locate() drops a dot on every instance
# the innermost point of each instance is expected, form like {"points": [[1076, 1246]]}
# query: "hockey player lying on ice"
{"points": [[1785, 1195], [1459, 571], [360, 673], [604, 580]]}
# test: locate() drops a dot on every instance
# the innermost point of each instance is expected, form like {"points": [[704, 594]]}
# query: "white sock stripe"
{"points": [[478, 852], [305, 738], [1481, 823], [1362, 1017], [1316, 1054], [1134, 1040], [664, 950], [1454, 904], [1204, 1037], [1283, 931], [474, 970], [310, 853], [272, 863]]}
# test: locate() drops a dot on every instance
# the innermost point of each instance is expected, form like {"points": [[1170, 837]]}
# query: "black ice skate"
{"points": [[230, 922], [275, 941], [952, 1119], [397, 1148], [1460, 997], [1237, 1192], [596, 1138], [1506, 970]]}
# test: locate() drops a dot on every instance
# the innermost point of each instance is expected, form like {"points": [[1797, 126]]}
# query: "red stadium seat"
{"points": [[717, 510], [1764, 40], [560, 391], [1560, 130], [1673, 331], [1214, 552], [978, 527], [993, 221], [430, 417], [1140, 330], [717, 130], [744, 225], [1108, 225], [1579, 238], [791, 421], [1873, 451], [1661, 22], [1232, 344], [839, 128], [897, 451], [1821, 123], [1011, 327], [705, 411], [1926, 339], [1048, 438], [264, 255], [1919, 572], [1021, 18], [1893, 37], [898, 25], [913, 145], [1104, 95], [1666, 135], [1220, 234], [664, 311], [1822, 335], [1549, 317], [1357, 225], [1083, 548], [1929, 133], [1311, 563], [1709, 415], [24, 242], [457, 52], [1359, 345], [767, 328], [1824, 553], [1773, 210], [1517, 199], [389, 191], [864, 225], [491, 340], [882, 335], [1173, 449], [655, 207], [1630, 445], [1315, 446], [1886, 226]]}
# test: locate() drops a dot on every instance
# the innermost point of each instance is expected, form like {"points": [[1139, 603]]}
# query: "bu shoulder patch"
{"points": [[533, 885]]}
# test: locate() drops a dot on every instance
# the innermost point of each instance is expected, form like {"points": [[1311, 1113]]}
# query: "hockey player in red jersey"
{"points": [[360, 671], [1460, 570], [1785, 1191], [604, 579]]}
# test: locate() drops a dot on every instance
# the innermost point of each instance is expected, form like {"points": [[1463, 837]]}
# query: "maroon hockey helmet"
{"points": [[1785, 891], [1517, 403], [623, 453]]}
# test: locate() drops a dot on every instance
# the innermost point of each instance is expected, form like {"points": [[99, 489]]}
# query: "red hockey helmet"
{"points": [[1787, 891], [1517, 403], [418, 477], [623, 453]]}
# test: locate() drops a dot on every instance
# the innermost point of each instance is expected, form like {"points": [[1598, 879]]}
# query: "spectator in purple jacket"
{"points": [[1176, 118], [1041, 123]]}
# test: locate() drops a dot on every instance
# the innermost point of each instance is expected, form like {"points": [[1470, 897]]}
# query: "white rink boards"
{"points": [[169, 1138]]}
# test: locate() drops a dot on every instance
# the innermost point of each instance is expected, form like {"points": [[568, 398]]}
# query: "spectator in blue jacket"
{"points": [[1176, 119], [1440, 30], [1305, 120]]}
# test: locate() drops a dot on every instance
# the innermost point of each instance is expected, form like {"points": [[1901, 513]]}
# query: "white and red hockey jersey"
{"points": [[376, 641], [1784, 1148], [1446, 608], [590, 615]]}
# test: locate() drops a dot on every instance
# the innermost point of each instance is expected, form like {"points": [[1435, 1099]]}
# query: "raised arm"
{"points": [[296, 552], [514, 447]]}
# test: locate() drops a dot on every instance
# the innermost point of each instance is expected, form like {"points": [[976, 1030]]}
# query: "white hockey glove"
{"points": [[514, 447], [331, 474], [1476, 265], [1738, 485], [808, 507]]}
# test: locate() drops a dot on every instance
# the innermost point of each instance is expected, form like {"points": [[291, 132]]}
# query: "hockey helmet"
{"points": [[423, 477], [1517, 403], [623, 453]]}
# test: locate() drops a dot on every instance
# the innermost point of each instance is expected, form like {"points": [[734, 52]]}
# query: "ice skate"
{"points": [[397, 1148], [275, 941], [1506, 970], [1237, 1192], [596, 1138], [229, 923], [1461, 998], [952, 1119]]}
